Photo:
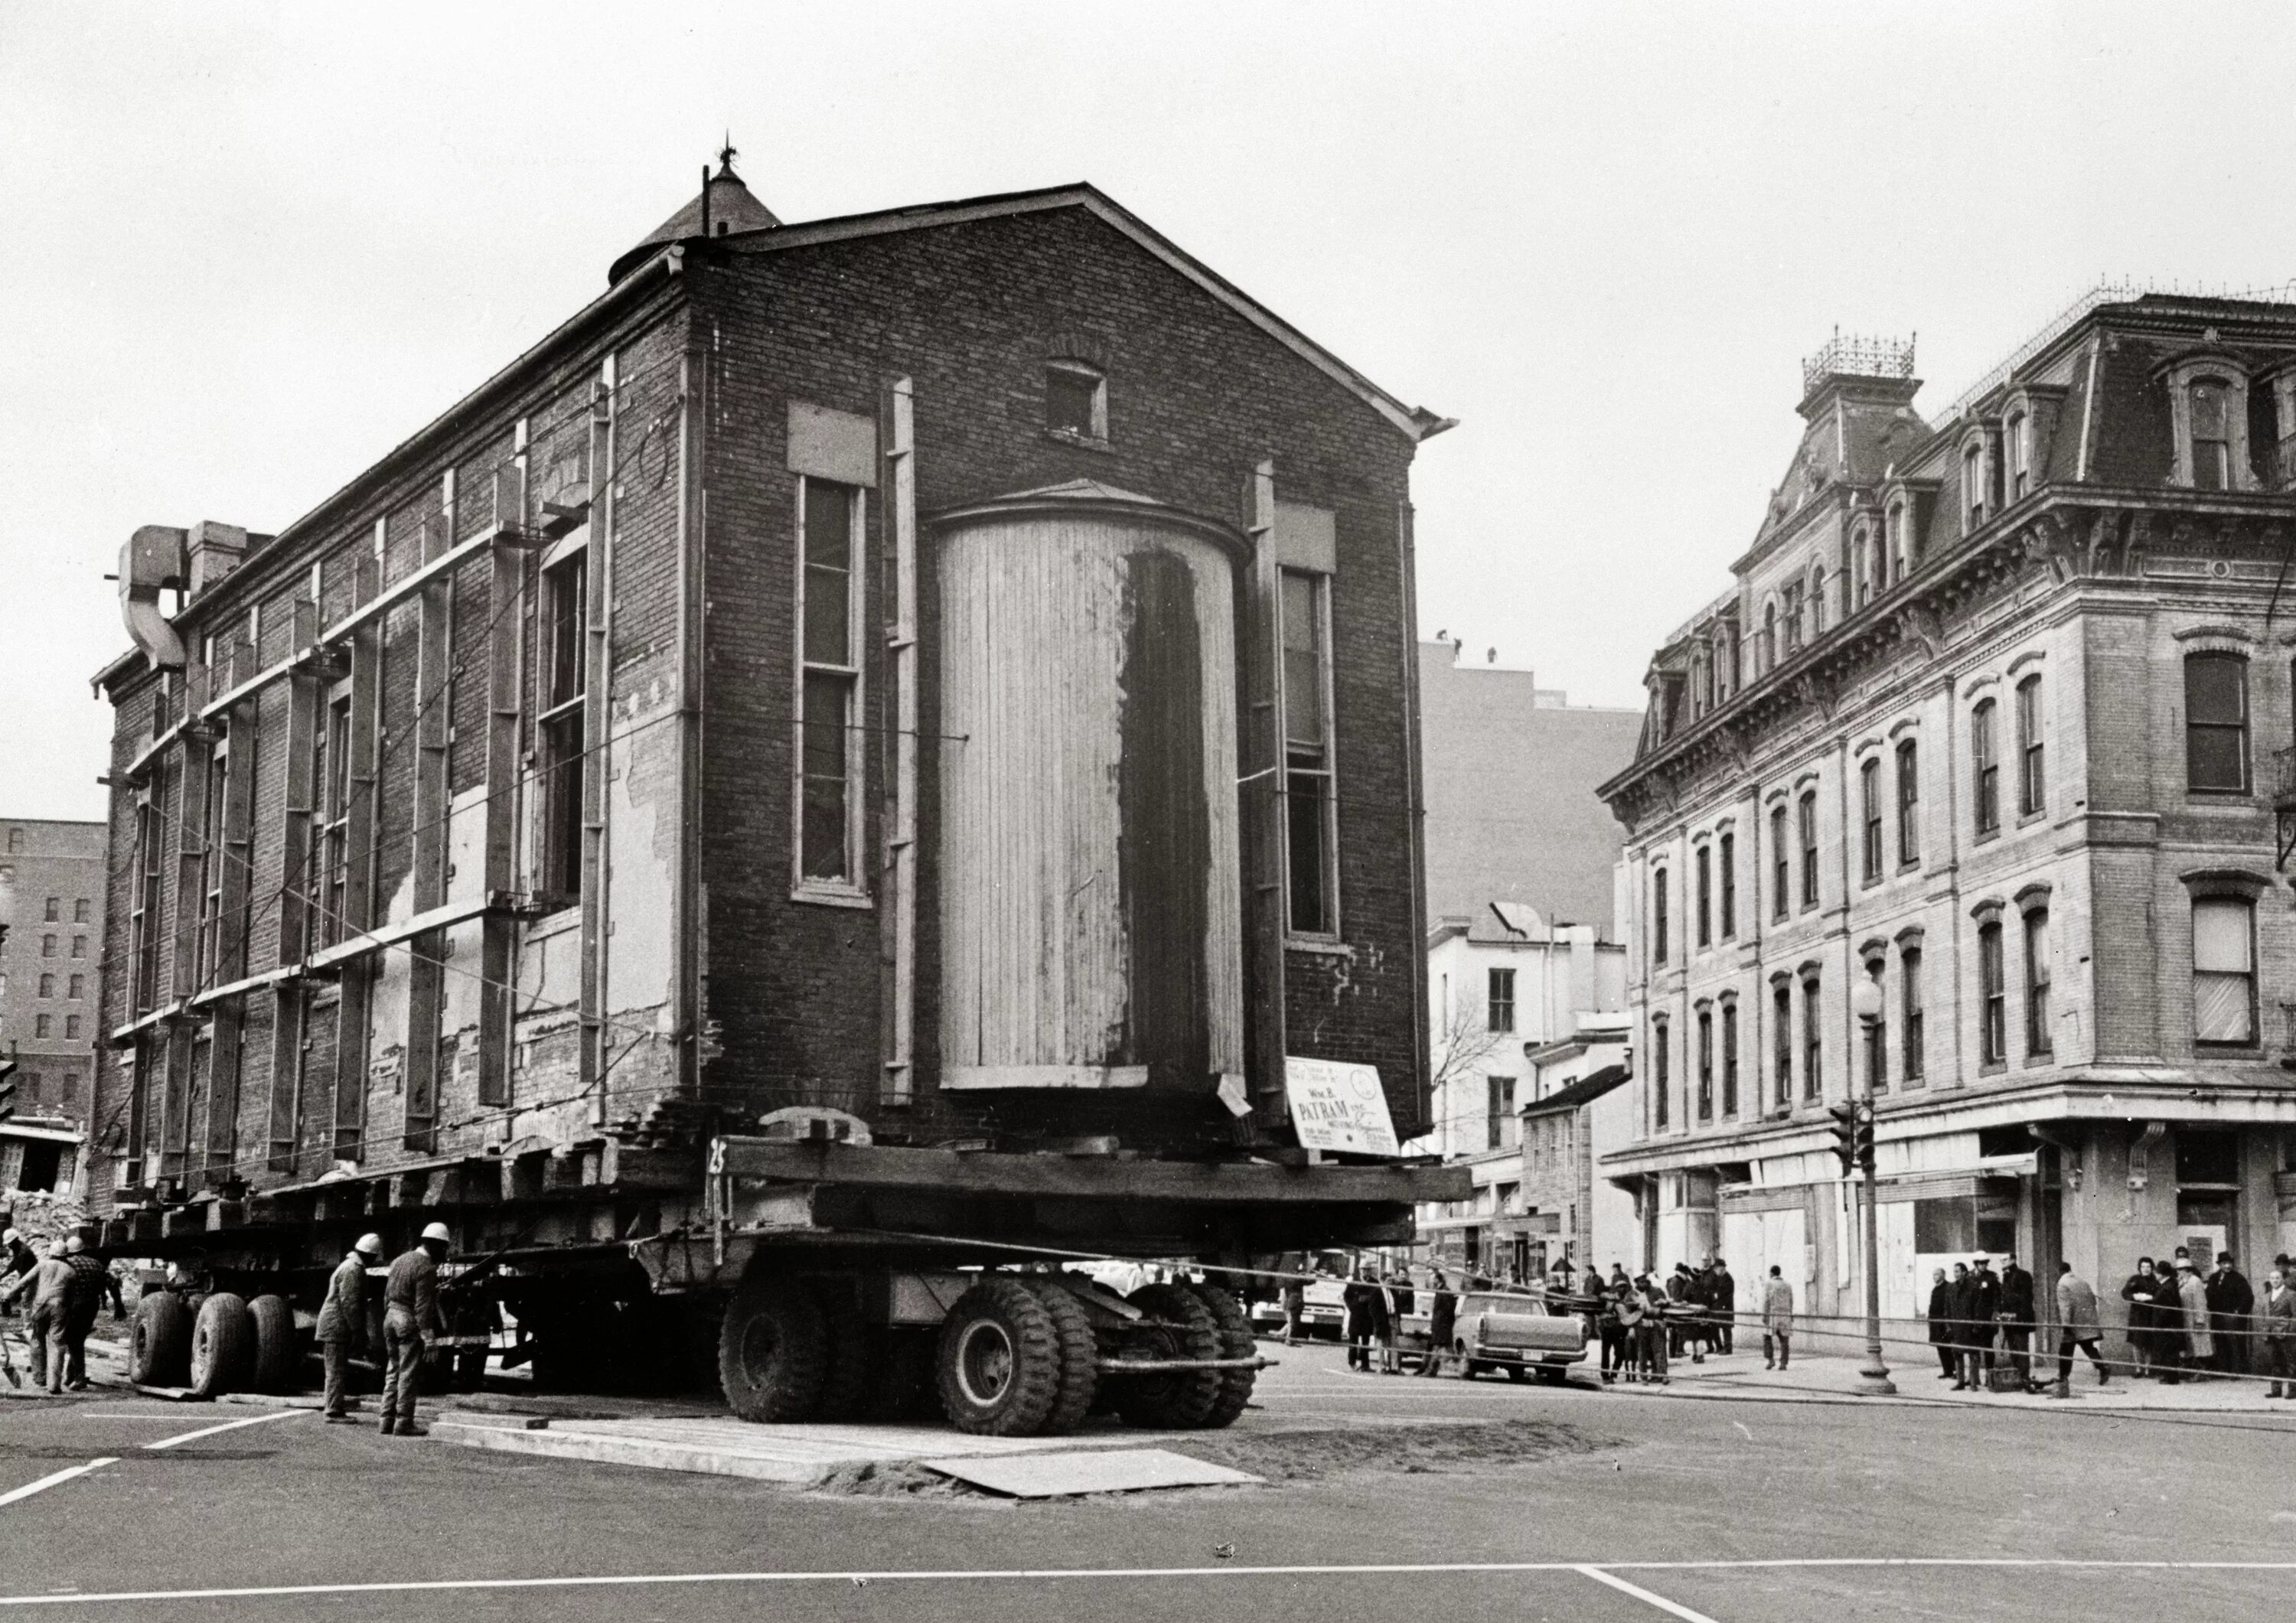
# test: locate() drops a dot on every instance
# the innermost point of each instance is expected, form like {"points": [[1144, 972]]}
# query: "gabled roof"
{"points": [[724, 207], [1416, 422]]}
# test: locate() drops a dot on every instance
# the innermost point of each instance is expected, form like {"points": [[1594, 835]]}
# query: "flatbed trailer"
{"points": [[812, 1278]]}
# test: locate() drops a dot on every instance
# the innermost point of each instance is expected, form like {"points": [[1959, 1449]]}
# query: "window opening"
{"points": [[1312, 805]]}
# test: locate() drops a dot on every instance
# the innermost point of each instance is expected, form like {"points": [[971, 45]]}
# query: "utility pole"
{"points": [[1865, 1004]]}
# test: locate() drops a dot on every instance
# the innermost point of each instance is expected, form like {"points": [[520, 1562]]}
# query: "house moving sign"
{"points": [[1338, 1106]]}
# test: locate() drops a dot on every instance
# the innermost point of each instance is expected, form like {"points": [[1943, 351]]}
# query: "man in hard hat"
{"points": [[49, 1285], [410, 1313], [15, 1258], [342, 1322], [91, 1283]]}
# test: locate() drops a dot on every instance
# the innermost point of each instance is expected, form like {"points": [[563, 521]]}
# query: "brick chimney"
{"points": [[215, 551]]}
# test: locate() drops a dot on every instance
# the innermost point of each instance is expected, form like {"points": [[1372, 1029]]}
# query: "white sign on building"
{"points": [[1338, 1106]]}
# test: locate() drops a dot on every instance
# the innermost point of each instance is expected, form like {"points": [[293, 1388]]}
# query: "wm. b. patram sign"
{"points": [[1337, 1106]]}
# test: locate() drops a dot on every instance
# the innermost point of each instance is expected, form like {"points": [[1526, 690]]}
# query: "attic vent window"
{"points": [[1076, 402]]}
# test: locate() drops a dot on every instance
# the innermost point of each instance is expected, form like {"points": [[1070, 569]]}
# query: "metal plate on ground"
{"points": [[1086, 1470]]}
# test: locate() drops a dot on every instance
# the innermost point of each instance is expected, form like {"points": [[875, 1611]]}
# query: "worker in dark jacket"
{"points": [[1367, 1321], [1960, 1293], [91, 1283], [2017, 1320], [1941, 1322], [1983, 1320], [342, 1323], [1442, 1323], [17, 1258], [410, 1314], [1724, 1290], [2231, 1300], [2141, 1292]]}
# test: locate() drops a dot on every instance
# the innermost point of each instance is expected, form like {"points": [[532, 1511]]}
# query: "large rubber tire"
{"points": [[160, 1346], [846, 1349], [1235, 1342], [223, 1347], [1079, 1346], [773, 1350], [1185, 1329], [275, 1343], [1000, 1364]]}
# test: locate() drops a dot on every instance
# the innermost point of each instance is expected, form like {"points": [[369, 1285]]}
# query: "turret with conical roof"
{"points": [[722, 208]]}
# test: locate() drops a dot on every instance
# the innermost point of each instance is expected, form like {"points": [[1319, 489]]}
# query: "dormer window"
{"points": [[1973, 486], [1076, 402], [2211, 435], [2208, 398], [2020, 436], [1897, 532]]}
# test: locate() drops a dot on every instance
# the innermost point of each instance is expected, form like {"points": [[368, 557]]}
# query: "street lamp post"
{"points": [[1874, 1379]]}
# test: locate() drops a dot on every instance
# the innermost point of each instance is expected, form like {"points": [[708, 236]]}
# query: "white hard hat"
{"points": [[10, 1238], [370, 1244], [437, 1230]]}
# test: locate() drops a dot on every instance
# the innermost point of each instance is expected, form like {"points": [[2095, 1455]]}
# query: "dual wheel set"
{"points": [[1019, 1355], [220, 1343]]}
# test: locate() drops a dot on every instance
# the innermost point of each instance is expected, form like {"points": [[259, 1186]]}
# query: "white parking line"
{"points": [[1670, 1608], [1602, 1572], [229, 1425], [55, 1478]]}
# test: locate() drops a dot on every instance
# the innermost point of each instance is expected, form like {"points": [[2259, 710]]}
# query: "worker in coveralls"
{"points": [[49, 1285], [410, 1313], [92, 1285], [342, 1323]]}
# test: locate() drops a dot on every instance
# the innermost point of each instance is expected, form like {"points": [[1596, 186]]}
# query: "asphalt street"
{"points": [[1650, 1506]]}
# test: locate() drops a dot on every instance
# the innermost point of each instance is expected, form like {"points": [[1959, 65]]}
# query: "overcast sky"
{"points": [[246, 250]]}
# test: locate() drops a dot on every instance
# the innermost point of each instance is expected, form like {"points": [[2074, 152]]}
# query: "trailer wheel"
{"points": [[159, 1347], [273, 1322], [1184, 1328], [1079, 1347], [223, 1346], [999, 1362], [1236, 1341], [773, 1350], [846, 1363]]}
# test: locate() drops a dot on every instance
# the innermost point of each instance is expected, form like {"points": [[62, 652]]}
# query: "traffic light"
{"points": [[1853, 1135], [8, 1086], [1845, 1135]]}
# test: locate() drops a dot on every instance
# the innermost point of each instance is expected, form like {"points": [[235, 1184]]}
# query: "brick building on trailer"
{"points": [[1991, 716], [738, 703]]}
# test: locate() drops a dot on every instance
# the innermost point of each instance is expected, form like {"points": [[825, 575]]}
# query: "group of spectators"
{"points": [[1642, 1323], [2185, 1325]]}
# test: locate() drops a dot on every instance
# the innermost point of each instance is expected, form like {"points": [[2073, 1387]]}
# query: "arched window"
{"points": [[1973, 486], [1705, 904], [1899, 534], [1809, 849], [1909, 804], [1910, 1012], [1812, 1040], [1660, 1058], [1770, 635], [2032, 782], [1705, 1064], [2037, 984], [1985, 767], [2216, 722], [1861, 576], [1782, 1041], [1781, 864], [1993, 1010], [1818, 600], [1869, 796], [2018, 436], [1658, 916], [1729, 861]]}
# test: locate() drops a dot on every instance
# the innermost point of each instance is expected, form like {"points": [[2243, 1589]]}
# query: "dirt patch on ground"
{"points": [[1311, 1456], [892, 1480]]}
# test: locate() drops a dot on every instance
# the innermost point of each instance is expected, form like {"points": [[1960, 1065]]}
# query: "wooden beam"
{"points": [[597, 764], [967, 1172], [364, 769], [498, 846], [426, 969], [1261, 737], [898, 922]]}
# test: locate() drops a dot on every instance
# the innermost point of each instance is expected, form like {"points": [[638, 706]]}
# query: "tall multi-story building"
{"points": [[51, 937], [1996, 715], [1503, 984], [52, 908], [1510, 773]]}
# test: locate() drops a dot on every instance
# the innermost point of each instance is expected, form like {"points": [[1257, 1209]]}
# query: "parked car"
{"points": [[1517, 1334]]}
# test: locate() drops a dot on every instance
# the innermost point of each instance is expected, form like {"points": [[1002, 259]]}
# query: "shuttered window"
{"points": [[2224, 970]]}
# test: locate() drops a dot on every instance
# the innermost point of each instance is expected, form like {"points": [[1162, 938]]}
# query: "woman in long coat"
{"points": [[2200, 1343], [1941, 1322], [2141, 1293]]}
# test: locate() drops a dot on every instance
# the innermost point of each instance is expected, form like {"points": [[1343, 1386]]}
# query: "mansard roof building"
{"points": [[1994, 714]]}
